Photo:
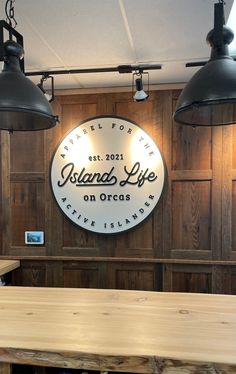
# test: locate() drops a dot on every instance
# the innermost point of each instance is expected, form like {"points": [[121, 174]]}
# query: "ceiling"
{"points": [[71, 34]]}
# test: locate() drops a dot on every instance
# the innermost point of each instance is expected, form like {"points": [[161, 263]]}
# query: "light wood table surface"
{"points": [[129, 331], [8, 265]]}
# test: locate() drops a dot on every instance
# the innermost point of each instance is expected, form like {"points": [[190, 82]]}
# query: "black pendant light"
{"points": [[23, 106], [209, 98]]}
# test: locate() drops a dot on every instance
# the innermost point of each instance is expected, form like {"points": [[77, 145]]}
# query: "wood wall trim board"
{"points": [[181, 253], [122, 260], [27, 177], [191, 268], [53, 217], [96, 90], [188, 175], [157, 133], [167, 154], [227, 203], [216, 203], [29, 251], [5, 181]]}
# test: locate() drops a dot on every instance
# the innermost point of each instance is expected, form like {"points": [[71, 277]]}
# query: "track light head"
{"points": [[49, 96], [140, 94]]}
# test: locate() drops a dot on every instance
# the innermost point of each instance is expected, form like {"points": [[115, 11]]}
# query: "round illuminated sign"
{"points": [[107, 175]]}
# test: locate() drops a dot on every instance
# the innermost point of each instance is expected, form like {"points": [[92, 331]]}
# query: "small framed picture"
{"points": [[34, 237]]}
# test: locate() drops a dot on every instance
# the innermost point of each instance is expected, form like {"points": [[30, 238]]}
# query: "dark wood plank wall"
{"points": [[188, 243]]}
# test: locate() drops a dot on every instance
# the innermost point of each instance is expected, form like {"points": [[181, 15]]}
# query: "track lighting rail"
{"points": [[122, 69], [200, 63]]}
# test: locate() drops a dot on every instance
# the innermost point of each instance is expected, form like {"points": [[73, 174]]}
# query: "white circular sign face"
{"points": [[107, 175]]}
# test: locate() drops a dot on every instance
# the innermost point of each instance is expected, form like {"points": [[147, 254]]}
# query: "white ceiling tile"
{"points": [[170, 30], [67, 34], [79, 32]]}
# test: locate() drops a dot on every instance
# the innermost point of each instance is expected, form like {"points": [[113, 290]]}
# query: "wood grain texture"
{"points": [[216, 193], [5, 197], [131, 331], [5, 368], [191, 199], [188, 278], [136, 365], [233, 216], [134, 277], [53, 218], [27, 210], [32, 274], [194, 222], [191, 147], [168, 107], [187, 154], [227, 192], [8, 265]]}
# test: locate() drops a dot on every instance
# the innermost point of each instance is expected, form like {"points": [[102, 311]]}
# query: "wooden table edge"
{"points": [[8, 265]]}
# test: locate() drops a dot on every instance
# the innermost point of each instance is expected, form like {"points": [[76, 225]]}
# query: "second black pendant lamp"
{"points": [[23, 106], [209, 98]]}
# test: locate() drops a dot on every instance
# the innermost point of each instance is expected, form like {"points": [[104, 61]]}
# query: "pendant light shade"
{"points": [[23, 106], [209, 98]]}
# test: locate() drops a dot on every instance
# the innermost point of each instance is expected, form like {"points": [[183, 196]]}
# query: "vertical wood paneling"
{"points": [[147, 116], [168, 109], [198, 149], [24, 144], [53, 217], [191, 215], [194, 219], [233, 281], [140, 237], [191, 282], [30, 274], [191, 147], [72, 115], [135, 276], [188, 278], [75, 237], [226, 279], [227, 192], [27, 210], [85, 275], [216, 200], [54, 274], [5, 368], [5, 183], [1, 198], [234, 216], [221, 279], [233, 154]]}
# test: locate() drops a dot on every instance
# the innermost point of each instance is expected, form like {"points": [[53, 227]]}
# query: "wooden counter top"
{"points": [[132, 331], [8, 265]]}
